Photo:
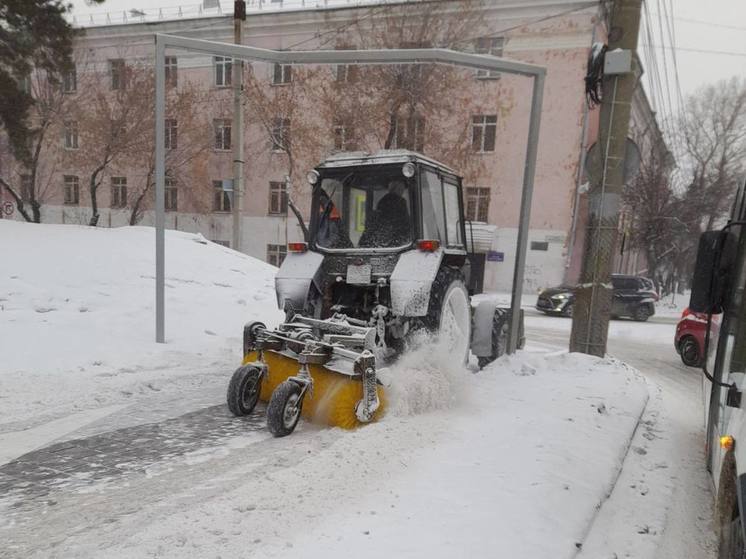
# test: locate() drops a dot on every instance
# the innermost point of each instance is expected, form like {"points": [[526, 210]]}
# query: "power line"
{"points": [[704, 51], [499, 32], [710, 23]]}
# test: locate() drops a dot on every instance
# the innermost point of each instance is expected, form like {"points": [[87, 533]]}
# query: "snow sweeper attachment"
{"points": [[383, 261]]}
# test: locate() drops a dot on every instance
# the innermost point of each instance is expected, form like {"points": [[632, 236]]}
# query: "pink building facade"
{"points": [[556, 34]]}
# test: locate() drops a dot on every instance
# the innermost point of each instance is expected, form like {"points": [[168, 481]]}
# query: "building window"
{"points": [[222, 134], [72, 190], [172, 129], [477, 203], [117, 70], [70, 81], [539, 245], [223, 71], [118, 192], [280, 134], [344, 137], [171, 71], [171, 195], [483, 132], [282, 73], [410, 133], [493, 46], [222, 196], [71, 134], [276, 254], [278, 198]]}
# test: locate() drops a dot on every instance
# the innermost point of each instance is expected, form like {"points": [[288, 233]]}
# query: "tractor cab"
{"points": [[385, 203], [382, 228]]}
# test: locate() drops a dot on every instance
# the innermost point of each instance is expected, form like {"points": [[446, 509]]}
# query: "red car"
{"points": [[690, 336]]}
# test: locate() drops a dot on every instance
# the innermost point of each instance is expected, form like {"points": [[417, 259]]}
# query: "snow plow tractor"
{"points": [[385, 258]]}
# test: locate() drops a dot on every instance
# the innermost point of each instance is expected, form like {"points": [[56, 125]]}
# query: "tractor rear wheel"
{"points": [[454, 318]]}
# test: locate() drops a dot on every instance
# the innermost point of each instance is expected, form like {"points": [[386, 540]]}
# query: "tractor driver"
{"points": [[391, 225], [331, 233]]}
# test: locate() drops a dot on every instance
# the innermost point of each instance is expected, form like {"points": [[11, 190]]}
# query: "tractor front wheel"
{"points": [[243, 390], [283, 410]]}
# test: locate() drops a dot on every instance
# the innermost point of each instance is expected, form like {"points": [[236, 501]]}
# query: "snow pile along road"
{"points": [[77, 321]]}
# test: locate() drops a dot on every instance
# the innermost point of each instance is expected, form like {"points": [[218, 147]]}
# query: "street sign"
{"points": [[8, 208], [493, 256], [631, 162]]}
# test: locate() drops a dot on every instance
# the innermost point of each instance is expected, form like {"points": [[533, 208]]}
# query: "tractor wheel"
{"points": [[453, 317], [243, 390], [283, 410]]}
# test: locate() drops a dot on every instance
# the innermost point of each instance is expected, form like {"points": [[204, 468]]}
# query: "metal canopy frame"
{"points": [[375, 56]]}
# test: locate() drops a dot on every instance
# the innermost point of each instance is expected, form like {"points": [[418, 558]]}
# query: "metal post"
{"points": [[160, 202], [239, 16], [528, 187]]}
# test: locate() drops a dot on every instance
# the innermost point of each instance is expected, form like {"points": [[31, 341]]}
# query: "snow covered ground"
{"points": [[78, 323], [137, 457]]}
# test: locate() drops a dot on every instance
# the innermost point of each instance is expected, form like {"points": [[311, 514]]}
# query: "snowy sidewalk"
{"points": [[517, 464]]}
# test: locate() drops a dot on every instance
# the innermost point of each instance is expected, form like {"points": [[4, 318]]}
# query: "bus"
{"points": [[718, 287]]}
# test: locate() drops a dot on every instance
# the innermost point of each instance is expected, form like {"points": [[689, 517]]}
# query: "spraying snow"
{"points": [[426, 378]]}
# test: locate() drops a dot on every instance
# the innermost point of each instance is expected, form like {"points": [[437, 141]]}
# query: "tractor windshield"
{"points": [[364, 209]]}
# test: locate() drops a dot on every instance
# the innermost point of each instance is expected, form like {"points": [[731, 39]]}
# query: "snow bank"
{"points": [[77, 321]]}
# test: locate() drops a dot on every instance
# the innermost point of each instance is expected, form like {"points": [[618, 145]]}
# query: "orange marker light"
{"points": [[727, 442], [427, 245], [297, 247]]}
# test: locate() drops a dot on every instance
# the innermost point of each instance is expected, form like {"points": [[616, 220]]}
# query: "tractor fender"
{"points": [[481, 332], [412, 280], [294, 278]]}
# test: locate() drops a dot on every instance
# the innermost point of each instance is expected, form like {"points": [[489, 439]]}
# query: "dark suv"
{"points": [[634, 296]]}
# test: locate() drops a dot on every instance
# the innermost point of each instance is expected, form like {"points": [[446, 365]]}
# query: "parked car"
{"points": [[634, 296], [689, 340]]}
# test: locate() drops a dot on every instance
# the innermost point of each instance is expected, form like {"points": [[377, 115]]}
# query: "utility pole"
{"points": [[593, 298], [239, 16]]}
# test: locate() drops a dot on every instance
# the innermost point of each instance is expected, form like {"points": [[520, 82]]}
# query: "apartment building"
{"points": [[478, 123]]}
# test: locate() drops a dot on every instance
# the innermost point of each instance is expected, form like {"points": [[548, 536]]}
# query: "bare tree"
{"points": [[411, 106], [28, 182], [187, 148], [714, 140], [656, 226], [115, 118]]}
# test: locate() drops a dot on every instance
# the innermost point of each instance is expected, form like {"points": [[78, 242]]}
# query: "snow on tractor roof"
{"points": [[382, 157]]}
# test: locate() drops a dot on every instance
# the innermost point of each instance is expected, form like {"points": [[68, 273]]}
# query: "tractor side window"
{"points": [[453, 221], [433, 220]]}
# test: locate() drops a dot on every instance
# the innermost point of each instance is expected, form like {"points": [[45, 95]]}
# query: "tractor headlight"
{"points": [[312, 177], [408, 170]]}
